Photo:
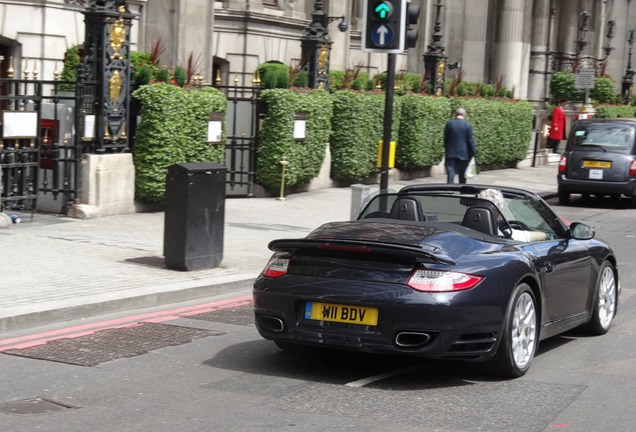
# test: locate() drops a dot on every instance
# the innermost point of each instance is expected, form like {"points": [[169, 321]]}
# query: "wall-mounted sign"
{"points": [[19, 124], [300, 127], [89, 127], [215, 128]]}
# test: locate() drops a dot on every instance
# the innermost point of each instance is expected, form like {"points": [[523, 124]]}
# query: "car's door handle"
{"points": [[548, 267]]}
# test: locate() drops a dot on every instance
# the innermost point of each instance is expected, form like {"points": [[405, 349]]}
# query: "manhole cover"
{"points": [[33, 406], [112, 344], [239, 315]]}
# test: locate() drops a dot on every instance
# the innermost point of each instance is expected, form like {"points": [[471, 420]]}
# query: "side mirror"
{"points": [[581, 231]]}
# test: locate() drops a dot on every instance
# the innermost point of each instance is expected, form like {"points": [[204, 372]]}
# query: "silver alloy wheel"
{"points": [[606, 297], [524, 331]]}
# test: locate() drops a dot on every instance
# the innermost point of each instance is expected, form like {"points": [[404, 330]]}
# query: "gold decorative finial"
{"points": [[118, 35], [323, 56], [35, 70], [10, 71], [217, 80], [236, 80], [56, 73], [114, 86], [26, 71], [106, 131], [256, 81]]}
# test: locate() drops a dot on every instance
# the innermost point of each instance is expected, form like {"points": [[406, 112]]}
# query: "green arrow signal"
{"points": [[383, 10]]}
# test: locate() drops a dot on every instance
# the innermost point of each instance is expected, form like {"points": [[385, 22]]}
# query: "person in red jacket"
{"points": [[557, 127]]}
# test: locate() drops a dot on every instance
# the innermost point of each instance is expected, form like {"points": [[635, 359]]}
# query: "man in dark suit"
{"points": [[459, 146]]}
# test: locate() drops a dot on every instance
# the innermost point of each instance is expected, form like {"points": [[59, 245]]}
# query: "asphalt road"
{"points": [[202, 367]]}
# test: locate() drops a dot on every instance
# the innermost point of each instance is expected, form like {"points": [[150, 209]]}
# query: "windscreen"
{"points": [[607, 136]]}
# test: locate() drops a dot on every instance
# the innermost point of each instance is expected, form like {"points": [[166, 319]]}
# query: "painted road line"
{"points": [[364, 381], [70, 332]]}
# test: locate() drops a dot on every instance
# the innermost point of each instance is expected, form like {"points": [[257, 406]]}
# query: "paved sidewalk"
{"points": [[56, 268]]}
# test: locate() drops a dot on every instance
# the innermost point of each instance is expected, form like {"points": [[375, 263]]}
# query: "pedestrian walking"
{"points": [[459, 146], [557, 127]]}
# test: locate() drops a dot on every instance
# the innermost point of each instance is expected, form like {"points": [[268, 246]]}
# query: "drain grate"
{"points": [[33, 406], [239, 315], [112, 344]]}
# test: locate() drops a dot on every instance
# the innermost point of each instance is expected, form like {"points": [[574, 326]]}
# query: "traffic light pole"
{"points": [[388, 122]]}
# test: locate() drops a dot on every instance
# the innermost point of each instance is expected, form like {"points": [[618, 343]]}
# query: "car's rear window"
{"points": [[607, 136]]}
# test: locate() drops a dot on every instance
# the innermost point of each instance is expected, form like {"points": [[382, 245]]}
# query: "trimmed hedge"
{"points": [[277, 141], [615, 111], [502, 129], [174, 126], [421, 138], [357, 126], [173, 129]]}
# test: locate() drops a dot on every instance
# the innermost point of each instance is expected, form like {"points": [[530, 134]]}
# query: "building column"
{"points": [[513, 53], [538, 80], [475, 40], [340, 48]]}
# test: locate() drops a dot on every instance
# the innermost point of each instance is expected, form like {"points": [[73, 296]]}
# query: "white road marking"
{"points": [[364, 381]]}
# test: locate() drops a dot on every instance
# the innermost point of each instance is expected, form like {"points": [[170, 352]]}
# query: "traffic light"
{"points": [[383, 26], [387, 26], [412, 15]]}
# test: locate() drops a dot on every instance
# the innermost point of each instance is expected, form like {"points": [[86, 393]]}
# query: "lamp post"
{"points": [[316, 46], [628, 78], [435, 57]]}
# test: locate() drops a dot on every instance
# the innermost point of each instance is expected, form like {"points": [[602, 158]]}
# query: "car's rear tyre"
{"points": [[605, 298], [520, 335], [564, 197]]}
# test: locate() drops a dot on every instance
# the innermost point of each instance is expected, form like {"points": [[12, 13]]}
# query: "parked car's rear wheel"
{"points": [[604, 301], [564, 197], [520, 335]]}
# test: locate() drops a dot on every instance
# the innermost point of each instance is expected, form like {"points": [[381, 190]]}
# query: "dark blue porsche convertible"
{"points": [[440, 271]]}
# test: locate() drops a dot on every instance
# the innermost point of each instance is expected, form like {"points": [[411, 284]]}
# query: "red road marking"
{"points": [[86, 329]]}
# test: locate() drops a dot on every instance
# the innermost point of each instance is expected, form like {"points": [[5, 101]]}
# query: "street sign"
{"points": [[382, 35], [584, 78]]}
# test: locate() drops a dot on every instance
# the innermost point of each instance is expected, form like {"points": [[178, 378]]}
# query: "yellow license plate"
{"points": [[341, 313], [596, 164]]}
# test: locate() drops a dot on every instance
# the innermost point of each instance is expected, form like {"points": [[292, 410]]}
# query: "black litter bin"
{"points": [[194, 215]]}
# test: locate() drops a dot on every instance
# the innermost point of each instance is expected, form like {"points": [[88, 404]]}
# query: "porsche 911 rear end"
{"points": [[378, 297]]}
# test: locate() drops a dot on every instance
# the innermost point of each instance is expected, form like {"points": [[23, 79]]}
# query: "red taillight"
{"points": [[276, 267], [563, 162], [632, 169], [442, 281]]}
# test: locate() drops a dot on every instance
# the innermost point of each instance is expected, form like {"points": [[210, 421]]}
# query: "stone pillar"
{"points": [[195, 35], [513, 52], [475, 40], [567, 26], [538, 80], [340, 53], [109, 186]]}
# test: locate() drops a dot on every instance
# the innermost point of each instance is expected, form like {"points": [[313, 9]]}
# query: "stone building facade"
{"points": [[518, 41]]}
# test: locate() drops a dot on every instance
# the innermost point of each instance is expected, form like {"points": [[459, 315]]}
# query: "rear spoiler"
{"points": [[359, 247]]}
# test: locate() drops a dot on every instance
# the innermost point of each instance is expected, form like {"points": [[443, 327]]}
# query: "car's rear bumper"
{"points": [[596, 187], [424, 330]]}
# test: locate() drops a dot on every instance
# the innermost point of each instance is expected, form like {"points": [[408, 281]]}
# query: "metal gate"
{"points": [[39, 155], [242, 122]]}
